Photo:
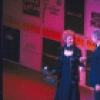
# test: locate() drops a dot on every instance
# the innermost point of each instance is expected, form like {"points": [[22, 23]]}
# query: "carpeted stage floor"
{"points": [[21, 83]]}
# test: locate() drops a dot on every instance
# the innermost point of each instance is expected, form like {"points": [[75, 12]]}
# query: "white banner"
{"points": [[53, 14], [30, 50]]}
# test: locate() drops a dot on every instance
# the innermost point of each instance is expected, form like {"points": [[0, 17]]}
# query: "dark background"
{"points": [[1, 45], [50, 47], [11, 48], [73, 22], [88, 53]]}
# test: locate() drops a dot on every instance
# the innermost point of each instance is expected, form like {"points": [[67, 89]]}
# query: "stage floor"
{"points": [[21, 83]]}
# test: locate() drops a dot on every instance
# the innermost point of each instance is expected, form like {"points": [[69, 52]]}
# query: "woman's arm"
{"points": [[78, 55], [57, 68]]}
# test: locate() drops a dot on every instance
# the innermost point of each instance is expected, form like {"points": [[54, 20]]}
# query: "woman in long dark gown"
{"points": [[67, 69]]}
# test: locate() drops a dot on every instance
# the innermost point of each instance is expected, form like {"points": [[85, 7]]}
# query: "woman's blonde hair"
{"points": [[67, 33]]}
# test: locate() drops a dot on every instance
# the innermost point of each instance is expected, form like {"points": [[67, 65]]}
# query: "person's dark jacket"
{"points": [[94, 61]]}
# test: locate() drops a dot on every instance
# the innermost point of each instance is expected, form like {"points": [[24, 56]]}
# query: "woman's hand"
{"points": [[97, 87], [82, 68], [82, 59]]}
